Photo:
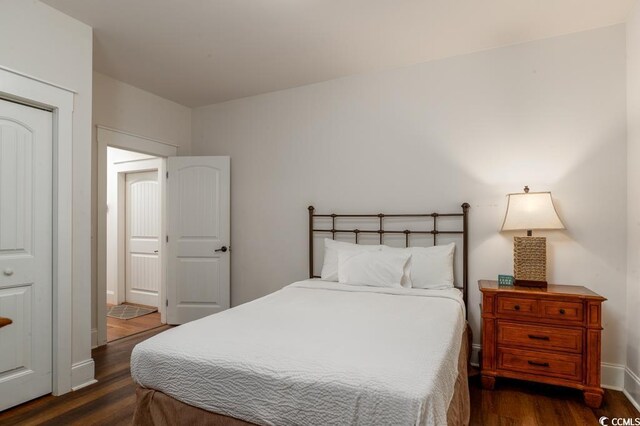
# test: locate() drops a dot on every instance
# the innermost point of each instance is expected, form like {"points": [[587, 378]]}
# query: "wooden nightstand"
{"points": [[547, 335]]}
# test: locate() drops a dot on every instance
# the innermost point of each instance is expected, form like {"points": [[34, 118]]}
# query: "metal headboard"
{"points": [[431, 217]]}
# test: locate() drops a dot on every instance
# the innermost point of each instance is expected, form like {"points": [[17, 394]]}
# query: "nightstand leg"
{"points": [[592, 399], [488, 382]]}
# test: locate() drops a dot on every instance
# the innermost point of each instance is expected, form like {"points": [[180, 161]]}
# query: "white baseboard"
{"points": [[111, 297], [475, 350], [632, 387], [94, 338], [82, 374], [612, 376]]}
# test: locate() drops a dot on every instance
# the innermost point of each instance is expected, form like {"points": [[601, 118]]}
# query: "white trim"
{"points": [[118, 163], [632, 387], [612, 376], [122, 132], [82, 374], [111, 299], [94, 338], [39, 80], [119, 139], [475, 351], [24, 88]]}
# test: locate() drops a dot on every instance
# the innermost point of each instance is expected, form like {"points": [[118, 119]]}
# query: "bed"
{"points": [[316, 353]]}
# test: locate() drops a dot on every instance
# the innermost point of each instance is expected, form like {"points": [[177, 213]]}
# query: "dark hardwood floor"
{"points": [[516, 402], [111, 401]]}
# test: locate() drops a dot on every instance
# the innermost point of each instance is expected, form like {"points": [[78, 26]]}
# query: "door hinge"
{"points": [[167, 238], [167, 175], [166, 302]]}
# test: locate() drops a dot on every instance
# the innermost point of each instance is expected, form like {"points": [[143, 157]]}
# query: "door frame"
{"points": [[139, 166], [19, 87], [110, 137]]}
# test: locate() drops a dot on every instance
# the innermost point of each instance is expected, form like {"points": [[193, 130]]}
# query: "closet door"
{"points": [[25, 253]]}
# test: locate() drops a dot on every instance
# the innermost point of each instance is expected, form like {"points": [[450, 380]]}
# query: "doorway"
{"points": [[133, 258], [194, 248], [136, 154]]}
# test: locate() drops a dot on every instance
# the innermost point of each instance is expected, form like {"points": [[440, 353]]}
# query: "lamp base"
{"points": [[530, 261], [530, 283]]}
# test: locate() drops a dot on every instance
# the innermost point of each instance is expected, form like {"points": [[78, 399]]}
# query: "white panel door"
{"points": [[198, 227], [142, 244], [25, 253]]}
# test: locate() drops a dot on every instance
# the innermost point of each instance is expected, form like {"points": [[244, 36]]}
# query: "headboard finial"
{"points": [[465, 206], [311, 208]]}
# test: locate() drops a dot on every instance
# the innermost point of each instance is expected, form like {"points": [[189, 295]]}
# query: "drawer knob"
{"points": [[5, 321], [538, 364], [517, 307], [561, 311], [533, 336]]}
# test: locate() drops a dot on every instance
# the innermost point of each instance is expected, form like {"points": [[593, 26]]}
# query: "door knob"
{"points": [[221, 249], [155, 251], [8, 272], [4, 321]]}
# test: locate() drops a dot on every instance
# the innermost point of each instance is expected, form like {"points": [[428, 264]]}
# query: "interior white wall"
{"points": [[126, 108], [550, 114], [632, 378], [38, 40], [115, 156]]}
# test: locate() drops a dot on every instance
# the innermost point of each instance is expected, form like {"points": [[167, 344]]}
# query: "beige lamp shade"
{"points": [[530, 211]]}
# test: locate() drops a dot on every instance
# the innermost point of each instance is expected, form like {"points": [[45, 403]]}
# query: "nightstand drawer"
{"points": [[540, 337], [515, 306], [561, 311], [563, 366]]}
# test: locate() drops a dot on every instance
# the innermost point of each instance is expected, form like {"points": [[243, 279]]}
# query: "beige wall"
{"points": [[123, 107], [549, 114], [632, 378], [38, 40]]}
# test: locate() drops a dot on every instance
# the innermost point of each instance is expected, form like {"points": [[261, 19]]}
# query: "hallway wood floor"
{"points": [[119, 328], [111, 401]]}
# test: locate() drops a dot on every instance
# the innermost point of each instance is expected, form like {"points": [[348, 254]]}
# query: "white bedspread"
{"points": [[315, 353]]}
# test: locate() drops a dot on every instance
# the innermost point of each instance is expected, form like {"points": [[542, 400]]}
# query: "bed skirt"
{"points": [[154, 408]]}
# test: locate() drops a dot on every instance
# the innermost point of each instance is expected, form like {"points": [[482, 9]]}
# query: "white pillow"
{"points": [[330, 262], [429, 267], [374, 268]]}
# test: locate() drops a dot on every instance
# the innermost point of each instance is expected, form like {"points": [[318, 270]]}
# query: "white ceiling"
{"points": [[198, 52]]}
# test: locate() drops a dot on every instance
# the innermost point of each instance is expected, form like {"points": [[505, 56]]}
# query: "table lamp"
{"points": [[527, 211]]}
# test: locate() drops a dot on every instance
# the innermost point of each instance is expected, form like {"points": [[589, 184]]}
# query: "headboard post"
{"points": [[311, 210], [465, 251]]}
